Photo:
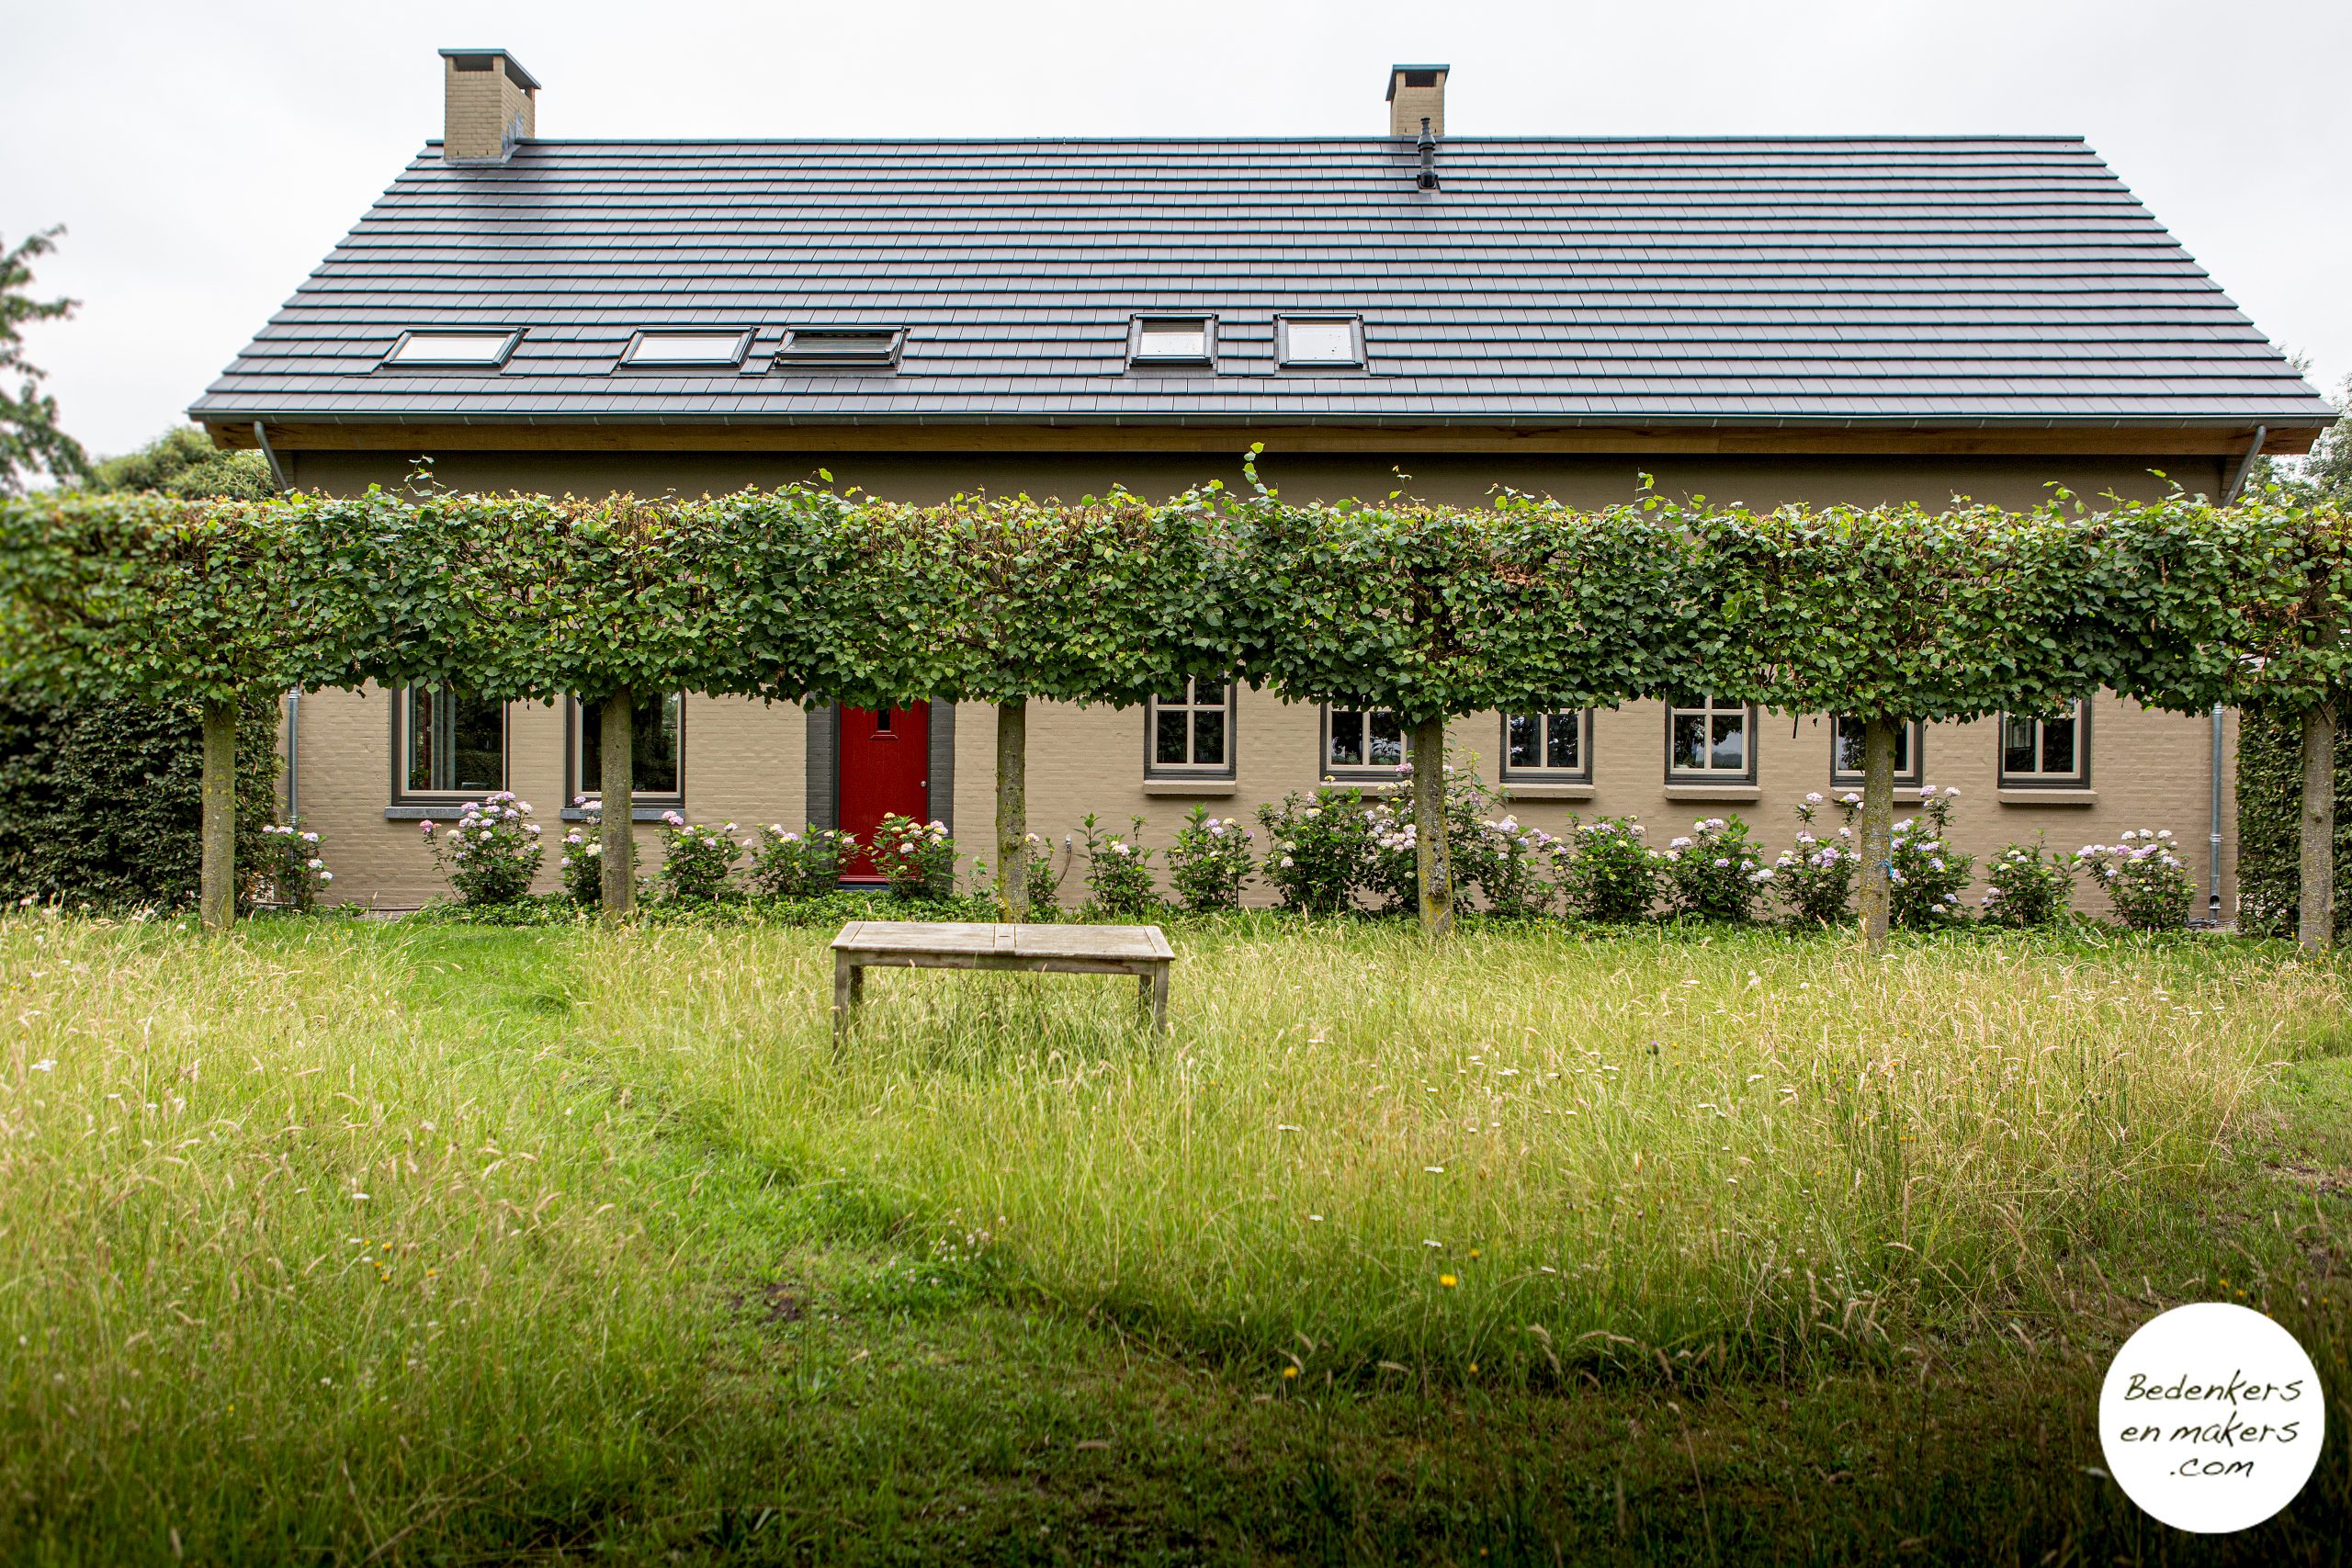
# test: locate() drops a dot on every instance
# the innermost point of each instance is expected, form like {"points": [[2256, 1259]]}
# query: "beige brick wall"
{"points": [[746, 762]]}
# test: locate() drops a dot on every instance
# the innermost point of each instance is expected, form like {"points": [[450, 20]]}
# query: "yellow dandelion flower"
{"points": [[1448, 1281], [1290, 1371]]}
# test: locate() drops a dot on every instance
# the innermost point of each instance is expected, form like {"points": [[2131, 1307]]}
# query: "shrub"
{"points": [[582, 865], [2147, 881], [1510, 868], [1607, 873], [1318, 849], [297, 874], [1392, 856], [806, 864], [915, 860], [1118, 871], [1044, 881], [1210, 862], [2030, 886], [493, 853], [126, 776], [1391, 860], [1815, 878], [698, 861], [1927, 875], [2270, 807], [1716, 871]]}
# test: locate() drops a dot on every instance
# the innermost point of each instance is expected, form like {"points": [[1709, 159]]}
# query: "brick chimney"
{"points": [[1417, 93], [489, 104]]}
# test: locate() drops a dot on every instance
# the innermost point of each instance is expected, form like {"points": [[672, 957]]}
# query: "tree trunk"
{"points": [[1877, 892], [617, 769], [1013, 808], [2316, 927], [217, 883], [1433, 856]]}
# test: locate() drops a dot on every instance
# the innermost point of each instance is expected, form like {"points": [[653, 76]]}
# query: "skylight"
{"points": [[1329, 340], [1172, 340], [841, 347], [687, 348], [480, 349]]}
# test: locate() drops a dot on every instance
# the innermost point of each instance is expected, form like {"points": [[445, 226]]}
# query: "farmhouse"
{"points": [[1763, 319]]}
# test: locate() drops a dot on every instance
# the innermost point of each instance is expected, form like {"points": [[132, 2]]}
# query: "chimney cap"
{"points": [[1397, 71], [513, 67]]}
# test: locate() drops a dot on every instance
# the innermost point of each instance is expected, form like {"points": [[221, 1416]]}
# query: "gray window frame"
{"points": [[631, 358], [2080, 779], [1916, 773], [402, 709], [1582, 773], [392, 361], [1153, 768], [1284, 357], [1708, 705], [1138, 360], [790, 355], [643, 804], [1354, 772]]}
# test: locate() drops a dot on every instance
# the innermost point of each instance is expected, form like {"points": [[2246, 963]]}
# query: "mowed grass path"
{"points": [[332, 1242]]}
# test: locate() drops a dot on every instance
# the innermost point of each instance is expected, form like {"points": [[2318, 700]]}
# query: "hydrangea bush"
{"points": [[1716, 870], [1607, 871], [582, 863], [1512, 868], [492, 853], [1816, 877], [1210, 862], [2030, 886], [803, 864], [1118, 870], [295, 867], [1318, 849], [2144, 877], [1393, 856], [697, 861], [915, 860], [1929, 875], [1044, 876]]}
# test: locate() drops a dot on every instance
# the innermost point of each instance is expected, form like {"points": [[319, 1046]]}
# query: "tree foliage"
{"points": [[183, 462], [31, 444]]}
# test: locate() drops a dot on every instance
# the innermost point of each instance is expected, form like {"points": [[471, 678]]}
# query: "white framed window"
{"points": [[1189, 730], [1710, 742], [454, 351], [1846, 754], [446, 741], [2046, 753], [657, 750], [709, 349], [1172, 340], [1361, 741], [840, 347], [1556, 746], [1311, 341]]}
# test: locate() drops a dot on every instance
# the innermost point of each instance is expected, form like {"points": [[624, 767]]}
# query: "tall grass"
{"points": [[1511, 1147], [313, 1238]]}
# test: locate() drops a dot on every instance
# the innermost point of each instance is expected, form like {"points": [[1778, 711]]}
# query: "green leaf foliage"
{"points": [[2270, 798]]}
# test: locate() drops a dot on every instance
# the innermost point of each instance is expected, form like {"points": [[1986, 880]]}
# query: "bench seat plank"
{"points": [[1140, 951]]}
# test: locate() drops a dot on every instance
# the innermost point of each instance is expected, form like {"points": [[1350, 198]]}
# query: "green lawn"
{"points": [[414, 1243]]}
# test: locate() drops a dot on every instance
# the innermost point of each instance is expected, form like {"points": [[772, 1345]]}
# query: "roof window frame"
{"points": [[787, 357], [509, 336], [1351, 320], [632, 359], [1204, 360]]}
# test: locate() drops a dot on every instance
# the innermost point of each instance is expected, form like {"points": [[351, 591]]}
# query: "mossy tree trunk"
{"points": [[217, 879], [1013, 808], [617, 767], [1433, 857], [2316, 925], [1876, 895]]}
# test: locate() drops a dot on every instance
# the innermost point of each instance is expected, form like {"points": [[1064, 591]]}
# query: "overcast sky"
{"points": [[203, 158]]}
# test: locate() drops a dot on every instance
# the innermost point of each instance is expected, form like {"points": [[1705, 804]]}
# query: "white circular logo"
{"points": [[2211, 1417]]}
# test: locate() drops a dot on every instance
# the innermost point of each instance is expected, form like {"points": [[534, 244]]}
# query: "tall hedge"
{"points": [[2270, 792], [100, 801]]}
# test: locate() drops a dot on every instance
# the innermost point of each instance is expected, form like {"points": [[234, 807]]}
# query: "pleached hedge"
{"points": [[1892, 613], [2269, 787]]}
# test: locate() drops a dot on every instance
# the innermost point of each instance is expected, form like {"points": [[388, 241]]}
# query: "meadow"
{"points": [[344, 1241]]}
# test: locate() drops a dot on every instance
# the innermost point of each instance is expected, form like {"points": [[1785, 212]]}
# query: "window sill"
{"points": [[1532, 790], [1714, 792], [636, 813], [1189, 786], [2008, 796]]}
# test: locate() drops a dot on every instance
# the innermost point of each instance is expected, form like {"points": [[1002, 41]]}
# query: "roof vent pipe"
{"points": [[1427, 179]]}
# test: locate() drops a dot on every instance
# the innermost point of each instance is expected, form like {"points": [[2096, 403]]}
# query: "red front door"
{"points": [[885, 768]]}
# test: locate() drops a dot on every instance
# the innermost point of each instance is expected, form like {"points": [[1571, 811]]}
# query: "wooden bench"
{"points": [[1140, 951]]}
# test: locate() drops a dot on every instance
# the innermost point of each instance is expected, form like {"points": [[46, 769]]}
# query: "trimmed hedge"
{"points": [[2270, 805], [98, 801]]}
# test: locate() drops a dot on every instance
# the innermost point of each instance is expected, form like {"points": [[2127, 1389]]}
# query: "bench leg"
{"points": [[1154, 999], [849, 986]]}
